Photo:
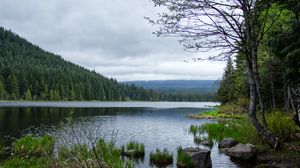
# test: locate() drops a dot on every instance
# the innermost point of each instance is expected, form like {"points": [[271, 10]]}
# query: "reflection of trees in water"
{"points": [[14, 121]]}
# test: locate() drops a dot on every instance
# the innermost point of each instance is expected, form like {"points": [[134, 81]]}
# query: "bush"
{"points": [[161, 158], [183, 160], [33, 146]]}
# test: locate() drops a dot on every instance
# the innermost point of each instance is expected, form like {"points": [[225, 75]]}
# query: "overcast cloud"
{"points": [[109, 36]]}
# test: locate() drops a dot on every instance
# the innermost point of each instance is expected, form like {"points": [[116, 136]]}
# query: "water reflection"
{"points": [[155, 127]]}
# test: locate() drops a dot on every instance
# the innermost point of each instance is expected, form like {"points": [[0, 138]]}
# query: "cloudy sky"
{"points": [[108, 36]]}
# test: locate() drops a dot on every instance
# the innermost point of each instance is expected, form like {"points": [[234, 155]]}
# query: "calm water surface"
{"points": [[156, 124]]}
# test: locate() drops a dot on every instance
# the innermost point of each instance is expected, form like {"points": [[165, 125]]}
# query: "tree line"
{"points": [[29, 73]]}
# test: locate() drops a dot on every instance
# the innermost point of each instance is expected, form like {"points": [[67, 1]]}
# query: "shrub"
{"points": [[33, 146], [161, 158], [183, 160]]}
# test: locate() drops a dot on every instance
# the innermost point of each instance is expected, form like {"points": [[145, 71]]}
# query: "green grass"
{"points": [[183, 160], [87, 157], [26, 162], [133, 149], [241, 129], [215, 113], [33, 146], [161, 158]]}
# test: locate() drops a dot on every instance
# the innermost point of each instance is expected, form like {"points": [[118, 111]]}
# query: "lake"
{"points": [[156, 124]]}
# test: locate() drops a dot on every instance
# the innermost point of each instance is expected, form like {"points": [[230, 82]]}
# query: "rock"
{"points": [[241, 151], [199, 157], [228, 143], [206, 143]]}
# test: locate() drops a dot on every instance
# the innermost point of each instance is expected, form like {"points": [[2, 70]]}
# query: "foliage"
{"points": [[33, 146], [161, 158], [183, 160]]}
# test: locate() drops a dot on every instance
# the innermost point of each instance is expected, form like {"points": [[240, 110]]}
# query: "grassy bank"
{"points": [[226, 111], [241, 129], [38, 152]]}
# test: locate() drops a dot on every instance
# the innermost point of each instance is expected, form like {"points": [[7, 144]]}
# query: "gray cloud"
{"points": [[110, 36]]}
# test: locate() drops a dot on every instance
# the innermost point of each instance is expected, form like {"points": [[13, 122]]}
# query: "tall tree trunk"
{"points": [[273, 94], [286, 99], [262, 131], [258, 89], [250, 49]]}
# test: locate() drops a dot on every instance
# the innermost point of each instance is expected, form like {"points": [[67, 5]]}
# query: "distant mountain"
{"points": [[179, 85]]}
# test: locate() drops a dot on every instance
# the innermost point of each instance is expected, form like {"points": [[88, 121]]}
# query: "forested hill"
{"points": [[28, 72], [183, 86]]}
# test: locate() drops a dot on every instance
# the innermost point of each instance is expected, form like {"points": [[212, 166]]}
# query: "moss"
{"points": [[33, 146], [161, 158]]}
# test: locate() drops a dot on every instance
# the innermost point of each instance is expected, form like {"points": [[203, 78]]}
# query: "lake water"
{"points": [[156, 124]]}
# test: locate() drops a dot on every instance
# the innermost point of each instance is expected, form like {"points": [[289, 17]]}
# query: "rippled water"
{"points": [[157, 125]]}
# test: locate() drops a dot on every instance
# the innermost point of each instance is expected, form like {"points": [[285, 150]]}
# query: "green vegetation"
{"points": [[26, 162], [109, 155], [36, 152], [133, 149], [242, 130], [215, 113], [161, 158], [33, 146], [183, 160]]}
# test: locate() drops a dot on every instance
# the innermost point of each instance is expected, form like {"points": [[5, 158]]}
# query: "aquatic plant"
{"points": [[133, 149], [161, 158], [183, 160]]}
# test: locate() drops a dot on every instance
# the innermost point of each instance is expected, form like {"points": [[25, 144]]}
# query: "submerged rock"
{"points": [[241, 151], [228, 143], [199, 157]]}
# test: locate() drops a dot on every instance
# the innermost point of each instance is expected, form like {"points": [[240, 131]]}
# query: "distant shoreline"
{"points": [[104, 104]]}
